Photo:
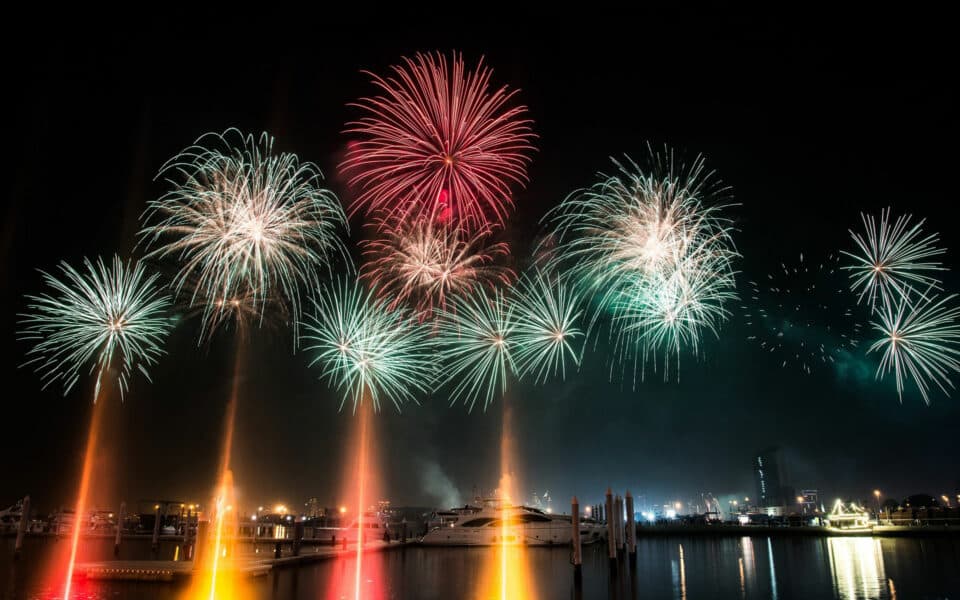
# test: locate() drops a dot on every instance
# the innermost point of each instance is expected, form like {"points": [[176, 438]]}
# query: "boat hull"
{"points": [[550, 535]]}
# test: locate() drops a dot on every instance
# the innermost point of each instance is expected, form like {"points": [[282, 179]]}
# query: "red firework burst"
{"points": [[438, 141], [424, 263]]}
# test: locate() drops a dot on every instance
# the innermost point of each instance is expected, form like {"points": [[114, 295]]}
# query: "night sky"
{"points": [[810, 119]]}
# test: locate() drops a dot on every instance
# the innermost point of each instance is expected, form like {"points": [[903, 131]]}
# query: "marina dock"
{"points": [[250, 566]]}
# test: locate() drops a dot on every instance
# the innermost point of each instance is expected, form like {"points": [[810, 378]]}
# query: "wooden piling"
{"points": [[200, 542], [618, 522], [155, 542], [119, 533], [575, 537], [611, 534], [22, 526], [631, 528], [297, 537], [622, 529], [189, 541]]}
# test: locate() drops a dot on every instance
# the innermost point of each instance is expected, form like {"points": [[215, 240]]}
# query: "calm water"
{"points": [[745, 568]]}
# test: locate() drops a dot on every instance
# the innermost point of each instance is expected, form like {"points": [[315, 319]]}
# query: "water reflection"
{"points": [[743, 581], [857, 567], [666, 567], [748, 570], [773, 571]]}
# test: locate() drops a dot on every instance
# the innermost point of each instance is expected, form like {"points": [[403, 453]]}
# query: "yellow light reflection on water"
{"points": [[218, 574], [506, 575], [857, 567]]}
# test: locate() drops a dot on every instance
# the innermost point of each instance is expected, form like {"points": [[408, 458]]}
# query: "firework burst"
{"points": [[547, 316], [803, 314], [426, 263], [920, 341], [476, 340], [243, 221], [892, 259], [364, 346], [438, 140], [104, 318], [655, 251]]}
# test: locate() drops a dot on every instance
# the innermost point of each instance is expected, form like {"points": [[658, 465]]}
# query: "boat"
{"points": [[850, 519], [11, 516], [499, 522], [444, 518]]}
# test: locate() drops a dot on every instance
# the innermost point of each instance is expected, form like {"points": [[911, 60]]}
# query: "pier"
{"points": [[251, 566]]}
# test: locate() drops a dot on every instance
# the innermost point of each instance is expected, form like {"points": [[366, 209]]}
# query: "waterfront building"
{"points": [[770, 475]]}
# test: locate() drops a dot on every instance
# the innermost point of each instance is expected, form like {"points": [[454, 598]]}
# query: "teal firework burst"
{"points": [[103, 319], [920, 340], [475, 338], [893, 259], [654, 248], [366, 348], [546, 326]]}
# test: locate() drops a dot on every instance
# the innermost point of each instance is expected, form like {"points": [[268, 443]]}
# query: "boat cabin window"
{"points": [[533, 518], [478, 522]]}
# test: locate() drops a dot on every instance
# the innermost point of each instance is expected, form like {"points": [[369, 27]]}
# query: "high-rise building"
{"points": [[809, 501], [313, 509], [769, 476]]}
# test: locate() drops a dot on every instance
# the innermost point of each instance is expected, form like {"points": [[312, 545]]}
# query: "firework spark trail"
{"points": [[225, 475], [920, 340], [892, 260], [361, 496], [366, 348], [80, 509], [242, 219], [249, 228], [436, 136], [803, 313], [92, 319], [654, 250], [424, 263], [368, 351]]}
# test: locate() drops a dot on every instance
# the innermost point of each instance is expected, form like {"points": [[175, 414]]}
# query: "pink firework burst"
{"points": [[423, 263], [437, 141]]}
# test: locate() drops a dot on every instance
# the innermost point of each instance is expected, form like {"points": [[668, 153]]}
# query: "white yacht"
{"points": [[10, 521], [498, 521]]}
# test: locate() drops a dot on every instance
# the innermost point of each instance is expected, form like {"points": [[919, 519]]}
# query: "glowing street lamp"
{"points": [[876, 493]]}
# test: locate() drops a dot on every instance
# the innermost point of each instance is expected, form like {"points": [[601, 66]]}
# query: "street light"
{"points": [[877, 494]]}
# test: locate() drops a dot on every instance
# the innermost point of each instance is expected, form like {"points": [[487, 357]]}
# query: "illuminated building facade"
{"points": [[769, 476]]}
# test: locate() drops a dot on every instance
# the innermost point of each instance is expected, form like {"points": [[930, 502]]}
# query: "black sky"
{"points": [[810, 118]]}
